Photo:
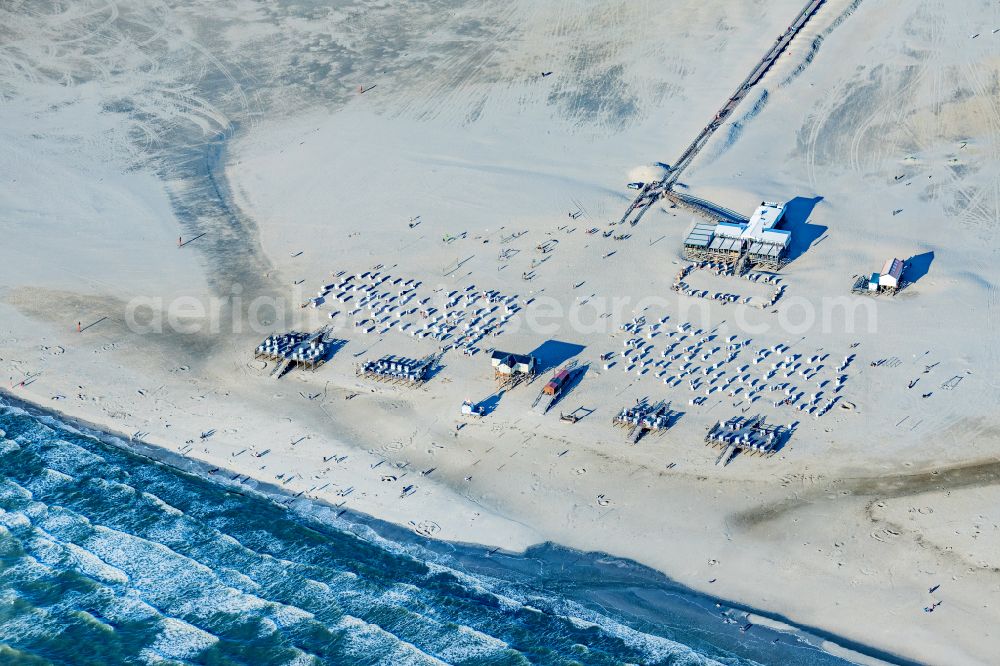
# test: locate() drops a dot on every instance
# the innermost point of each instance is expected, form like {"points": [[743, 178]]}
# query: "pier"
{"points": [[655, 190]]}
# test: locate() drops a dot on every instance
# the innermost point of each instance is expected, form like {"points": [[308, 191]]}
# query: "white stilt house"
{"points": [[508, 367], [891, 276], [888, 281]]}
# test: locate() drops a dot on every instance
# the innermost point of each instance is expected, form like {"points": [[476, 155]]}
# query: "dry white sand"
{"points": [[887, 112]]}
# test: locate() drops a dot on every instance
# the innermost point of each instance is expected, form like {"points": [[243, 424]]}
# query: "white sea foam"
{"points": [[14, 410], [29, 624], [303, 659], [178, 640], [130, 609], [89, 618], [397, 595], [267, 626], [479, 584], [510, 600], [59, 519], [285, 616], [14, 521], [580, 623], [67, 457], [112, 487], [11, 493], [467, 643], [47, 480], [316, 587], [35, 511], [136, 555], [91, 565], [56, 423], [239, 580], [44, 550], [372, 641], [166, 508], [655, 648], [184, 586]]}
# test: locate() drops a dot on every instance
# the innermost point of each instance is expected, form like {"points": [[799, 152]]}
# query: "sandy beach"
{"points": [[180, 183]]}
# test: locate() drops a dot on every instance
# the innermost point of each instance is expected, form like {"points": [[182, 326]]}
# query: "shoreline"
{"points": [[632, 592]]}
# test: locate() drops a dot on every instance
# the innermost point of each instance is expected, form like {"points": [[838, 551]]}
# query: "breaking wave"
{"points": [[146, 564]]}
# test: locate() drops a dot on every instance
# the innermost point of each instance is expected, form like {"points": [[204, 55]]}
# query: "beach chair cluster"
{"points": [[682, 287], [752, 435], [308, 350], [398, 370], [710, 364], [380, 302], [368, 287], [645, 417]]}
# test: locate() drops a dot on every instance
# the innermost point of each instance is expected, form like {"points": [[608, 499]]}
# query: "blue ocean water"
{"points": [[107, 557]]}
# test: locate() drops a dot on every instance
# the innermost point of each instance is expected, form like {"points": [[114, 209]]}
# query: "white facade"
{"points": [[729, 230], [892, 274], [760, 228]]}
